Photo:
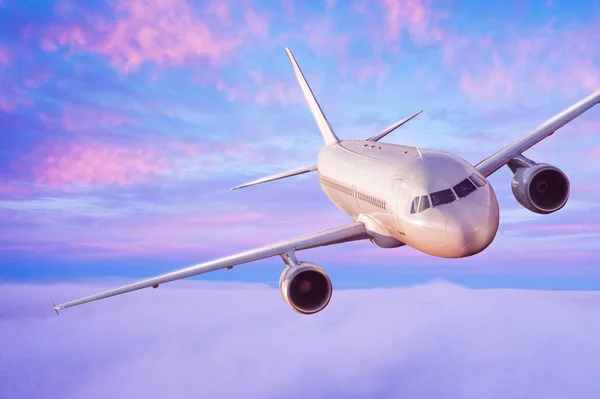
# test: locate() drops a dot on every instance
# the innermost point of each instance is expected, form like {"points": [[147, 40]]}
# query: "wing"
{"points": [[502, 157], [349, 232]]}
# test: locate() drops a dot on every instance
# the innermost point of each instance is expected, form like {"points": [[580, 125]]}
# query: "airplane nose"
{"points": [[470, 232]]}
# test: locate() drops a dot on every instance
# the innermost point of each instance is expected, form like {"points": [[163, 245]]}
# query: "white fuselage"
{"points": [[376, 183]]}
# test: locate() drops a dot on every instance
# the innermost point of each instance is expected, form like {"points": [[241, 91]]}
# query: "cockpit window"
{"points": [[424, 203], [442, 197], [415, 205], [479, 182], [464, 188]]}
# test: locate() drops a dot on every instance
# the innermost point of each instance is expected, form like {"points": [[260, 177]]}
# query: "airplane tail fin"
{"points": [[324, 126]]}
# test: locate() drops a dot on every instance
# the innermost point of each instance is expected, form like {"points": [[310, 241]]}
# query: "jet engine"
{"points": [[539, 187], [305, 287]]}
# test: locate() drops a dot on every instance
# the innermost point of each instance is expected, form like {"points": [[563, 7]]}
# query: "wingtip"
{"points": [[290, 55], [56, 308]]}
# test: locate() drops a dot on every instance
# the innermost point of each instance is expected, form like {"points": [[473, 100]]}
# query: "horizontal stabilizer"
{"points": [[390, 129], [279, 176]]}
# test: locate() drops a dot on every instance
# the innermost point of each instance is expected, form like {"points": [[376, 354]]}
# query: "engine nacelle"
{"points": [[541, 188], [305, 287]]}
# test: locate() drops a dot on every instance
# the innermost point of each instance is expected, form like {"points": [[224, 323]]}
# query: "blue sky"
{"points": [[125, 124]]}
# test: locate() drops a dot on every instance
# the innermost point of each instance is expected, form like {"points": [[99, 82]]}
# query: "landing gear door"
{"points": [[395, 202]]}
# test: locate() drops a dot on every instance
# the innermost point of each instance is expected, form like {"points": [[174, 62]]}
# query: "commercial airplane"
{"points": [[433, 201]]}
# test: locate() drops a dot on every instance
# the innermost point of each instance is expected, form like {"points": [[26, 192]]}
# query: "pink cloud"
{"points": [[164, 32], [255, 23], [81, 119], [374, 68], [221, 10], [412, 15], [330, 4], [267, 90], [11, 188], [233, 92], [489, 83], [37, 78], [177, 236], [277, 92], [384, 25], [133, 248], [545, 58], [12, 97], [324, 37], [257, 76], [87, 161], [289, 9], [227, 218]]}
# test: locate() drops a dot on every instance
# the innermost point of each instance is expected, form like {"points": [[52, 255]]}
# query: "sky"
{"points": [[125, 123]]}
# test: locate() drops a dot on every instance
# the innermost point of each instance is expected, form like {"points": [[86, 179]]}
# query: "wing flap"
{"points": [[502, 157], [349, 232]]}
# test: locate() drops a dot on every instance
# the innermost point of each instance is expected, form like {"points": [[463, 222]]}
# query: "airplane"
{"points": [[432, 201]]}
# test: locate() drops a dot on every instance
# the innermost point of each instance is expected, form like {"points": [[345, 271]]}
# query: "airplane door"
{"points": [[395, 201]]}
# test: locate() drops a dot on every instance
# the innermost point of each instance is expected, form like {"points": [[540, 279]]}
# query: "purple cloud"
{"points": [[196, 339]]}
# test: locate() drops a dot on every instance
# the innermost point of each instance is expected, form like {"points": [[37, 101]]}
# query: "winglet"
{"points": [[324, 126], [56, 308]]}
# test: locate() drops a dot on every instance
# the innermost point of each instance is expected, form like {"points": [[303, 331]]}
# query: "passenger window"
{"points": [[442, 197], [479, 182], [464, 188], [424, 203], [415, 205]]}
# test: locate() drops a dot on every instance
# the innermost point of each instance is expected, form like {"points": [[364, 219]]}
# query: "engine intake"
{"points": [[306, 287], [541, 188]]}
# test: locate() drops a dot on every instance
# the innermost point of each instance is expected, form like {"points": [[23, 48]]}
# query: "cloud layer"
{"points": [[194, 339]]}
